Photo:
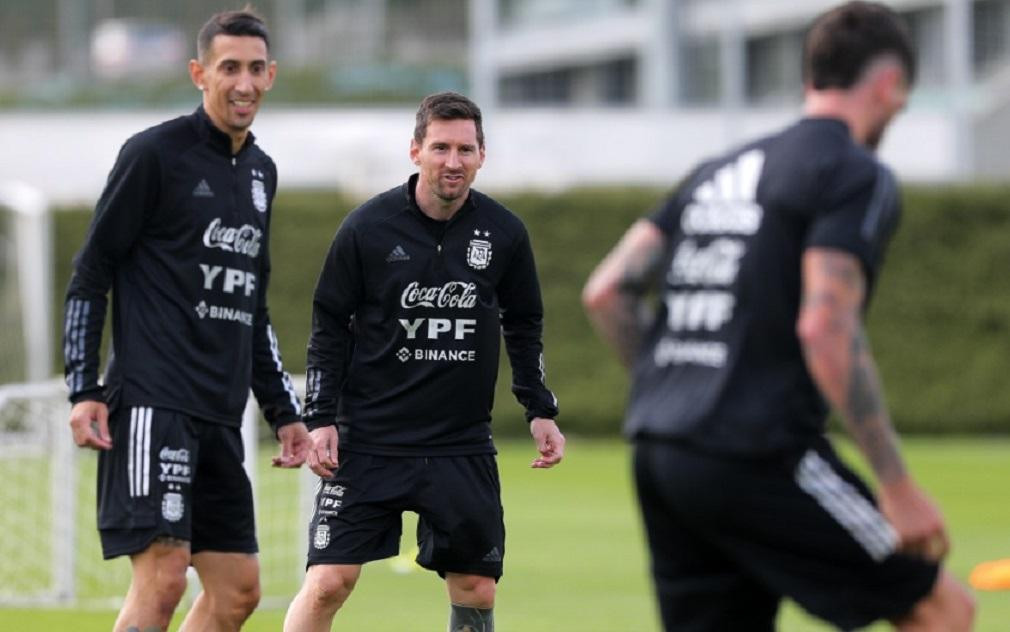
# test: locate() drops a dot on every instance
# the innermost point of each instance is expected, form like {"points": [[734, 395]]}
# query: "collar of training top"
{"points": [[827, 121], [218, 139], [410, 186]]}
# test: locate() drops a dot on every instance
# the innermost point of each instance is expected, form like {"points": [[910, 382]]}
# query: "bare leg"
{"points": [[157, 585], [326, 588], [231, 591], [471, 602], [948, 608]]}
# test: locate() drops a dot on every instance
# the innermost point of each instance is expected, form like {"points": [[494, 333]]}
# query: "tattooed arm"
{"points": [[838, 356], [613, 295]]}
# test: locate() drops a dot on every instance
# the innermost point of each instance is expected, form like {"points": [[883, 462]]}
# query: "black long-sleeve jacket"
{"points": [[407, 320], [180, 236]]}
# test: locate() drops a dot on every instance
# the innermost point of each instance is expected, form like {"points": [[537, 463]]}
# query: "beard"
{"points": [[448, 195]]}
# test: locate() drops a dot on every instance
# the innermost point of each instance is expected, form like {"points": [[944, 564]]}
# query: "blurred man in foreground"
{"points": [[764, 260]]}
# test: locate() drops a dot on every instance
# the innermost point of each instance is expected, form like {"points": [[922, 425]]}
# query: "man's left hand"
{"points": [[295, 443], [550, 442]]}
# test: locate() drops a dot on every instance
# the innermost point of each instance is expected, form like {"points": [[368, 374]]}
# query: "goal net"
{"points": [[50, 552]]}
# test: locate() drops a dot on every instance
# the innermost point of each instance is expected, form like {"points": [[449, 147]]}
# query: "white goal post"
{"points": [[26, 282], [50, 553]]}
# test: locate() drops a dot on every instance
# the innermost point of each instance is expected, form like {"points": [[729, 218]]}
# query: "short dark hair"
{"points": [[244, 22], [447, 106], [842, 43]]}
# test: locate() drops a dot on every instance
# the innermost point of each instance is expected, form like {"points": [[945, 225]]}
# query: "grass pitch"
{"points": [[576, 559]]}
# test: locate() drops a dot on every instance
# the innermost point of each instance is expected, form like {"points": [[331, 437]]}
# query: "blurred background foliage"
{"points": [[939, 322]]}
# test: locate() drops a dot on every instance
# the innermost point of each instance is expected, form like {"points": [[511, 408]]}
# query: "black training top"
{"points": [[180, 235], [722, 367], [405, 327]]}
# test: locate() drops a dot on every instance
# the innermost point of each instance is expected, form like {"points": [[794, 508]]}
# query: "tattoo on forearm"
{"points": [[867, 413], [626, 328], [628, 320], [843, 269]]}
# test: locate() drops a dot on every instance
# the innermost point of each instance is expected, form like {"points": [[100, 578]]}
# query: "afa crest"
{"points": [[259, 196], [322, 538], [172, 507], [478, 254]]}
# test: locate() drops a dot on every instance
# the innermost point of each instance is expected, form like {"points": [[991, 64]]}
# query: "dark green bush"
{"points": [[939, 323]]}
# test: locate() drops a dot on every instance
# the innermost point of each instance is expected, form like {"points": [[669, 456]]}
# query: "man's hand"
{"points": [[89, 421], [295, 444], [550, 442], [323, 453], [916, 519]]}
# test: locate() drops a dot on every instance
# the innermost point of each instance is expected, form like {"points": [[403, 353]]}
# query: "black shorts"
{"points": [[460, 526], [169, 474], [730, 537]]}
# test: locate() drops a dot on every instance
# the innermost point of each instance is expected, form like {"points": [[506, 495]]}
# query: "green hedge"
{"points": [[939, 322]]}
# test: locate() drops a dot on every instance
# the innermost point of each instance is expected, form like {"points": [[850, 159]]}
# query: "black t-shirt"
{"points": [[722, 367], [181, 238], [407, 320]]}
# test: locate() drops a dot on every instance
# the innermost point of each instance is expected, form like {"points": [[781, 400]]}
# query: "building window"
{"points": [[701, 72], [539, 12], [609, 83], [990, 32], [552, 87], [926, 29], [616, 81], [775, 68]]}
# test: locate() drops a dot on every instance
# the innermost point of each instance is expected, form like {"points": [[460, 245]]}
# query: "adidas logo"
{"points": [[203, 190], [494, 555], [398, 254]]}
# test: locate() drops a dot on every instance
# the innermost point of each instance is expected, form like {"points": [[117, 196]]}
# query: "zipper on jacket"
{"points": [[234, 187]]}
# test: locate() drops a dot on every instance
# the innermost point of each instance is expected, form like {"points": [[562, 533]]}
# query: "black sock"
{"points": [[470, 619]]}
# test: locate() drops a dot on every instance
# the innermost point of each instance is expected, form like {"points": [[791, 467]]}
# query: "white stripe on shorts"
{"points": [[138, 464], [146, 469], [847, 506], [131, 452]]}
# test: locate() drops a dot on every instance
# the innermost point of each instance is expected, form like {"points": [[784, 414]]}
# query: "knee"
{"points": [[950, 607], [167, 591], [955, 605], [244, 601], [328, 588], [964, 612], [473, 590]]}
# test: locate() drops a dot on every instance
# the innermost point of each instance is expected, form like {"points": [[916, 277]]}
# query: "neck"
{"points": [[838, 104], [237, 140], [237, 137], [434, 206]]}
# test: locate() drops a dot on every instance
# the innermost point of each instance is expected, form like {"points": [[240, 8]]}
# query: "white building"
{"points": [[724, 69]]}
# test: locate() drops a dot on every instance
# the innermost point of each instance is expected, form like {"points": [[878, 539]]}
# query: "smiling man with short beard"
{"points": [[418, 288], [180, 236]]}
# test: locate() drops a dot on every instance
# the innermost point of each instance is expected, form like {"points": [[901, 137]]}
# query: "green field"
{"points": [[575, 557]]}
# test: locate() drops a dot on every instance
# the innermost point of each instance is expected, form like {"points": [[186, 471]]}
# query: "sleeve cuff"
{"points": [[91, 395], [542, 414], [319, 422]]}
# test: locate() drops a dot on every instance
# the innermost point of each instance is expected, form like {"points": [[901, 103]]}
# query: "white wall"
{"points": [[69, 154]]}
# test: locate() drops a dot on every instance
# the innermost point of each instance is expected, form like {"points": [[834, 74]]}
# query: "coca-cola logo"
{"points": [[244, 240], [180, 455], [451, 294]]}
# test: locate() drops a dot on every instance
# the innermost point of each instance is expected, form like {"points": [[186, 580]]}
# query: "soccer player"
{"points": [[763, 262], [402, 364], [180, 236]]}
